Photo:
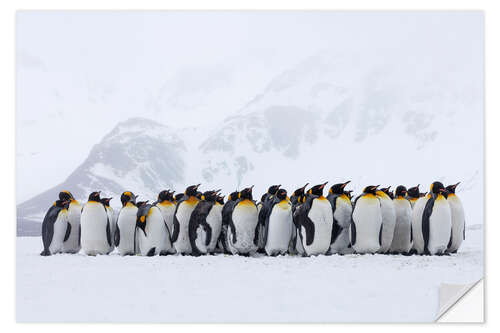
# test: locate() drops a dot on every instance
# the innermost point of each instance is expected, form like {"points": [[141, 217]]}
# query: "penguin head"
{"points": [[387, 190], [437, 188], [400, 191], [198, 195], [233, 196], [62, 203], [166, 195], [414, 192], [349, 194], [246, 193], [338, 188], [95, 196], [66, 196], [142, 203], [452, 188], [128, 196], [210, 196], [317, 189], [263, 197], [273, 189], [220, 199], [192, 190], [178, 196], [371, 189], [300, 191], [281, 194], [105, 201]]}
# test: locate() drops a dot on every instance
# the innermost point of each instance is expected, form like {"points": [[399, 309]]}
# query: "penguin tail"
{"points": [[45, 253]]}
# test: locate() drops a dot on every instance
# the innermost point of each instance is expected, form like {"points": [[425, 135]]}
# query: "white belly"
{"points": [[401, 242], [416, 224], [388, 222], [71, 245], [367, 217], [457, 222], [182, 244], [245, 219], [126, 224], [157, 235], [93, 223], [214, 219], [168, 211], [60, 225], [279, 229], [322, 217], [342, 214], [439, 226]]}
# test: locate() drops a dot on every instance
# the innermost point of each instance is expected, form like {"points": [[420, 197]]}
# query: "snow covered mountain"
{"points": [[327, 118], [138, 154]]}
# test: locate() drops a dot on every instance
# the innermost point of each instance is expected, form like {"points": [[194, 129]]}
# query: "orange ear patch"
{"points": [[142, 219]]}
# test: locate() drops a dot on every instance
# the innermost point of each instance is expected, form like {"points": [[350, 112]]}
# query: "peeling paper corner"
{"points": [[450, 294]]}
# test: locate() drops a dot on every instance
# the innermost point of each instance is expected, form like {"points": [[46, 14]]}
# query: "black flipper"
{"points": [[117, 236], [425, 222], [336, 229], [380, 235], [208, 230], [79, 235], [177, 226], [151, 252], [68, 232], [108, 233], [309, 226], [451, 238], [464, 230], [411, 233], [233, 229], [256, 234], [353, 233]]}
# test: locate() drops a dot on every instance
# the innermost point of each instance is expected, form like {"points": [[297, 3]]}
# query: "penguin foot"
{"points": [[164, 253], [151, 252], [45, 253]]}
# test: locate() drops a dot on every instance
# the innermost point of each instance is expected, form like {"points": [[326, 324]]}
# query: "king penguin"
{"points": [[96, 228], [166, 204], [403, 235], [205, 224], [55, 228], [226, 217], [124, 237], [279, 224], [153, 236], [413, 194], [315, 221], [111, 217], [436, 221], [72, 244], [366, 224], [296, 199], [416, 222], [342, 211], [183, 211], [457, 219], [263, 211], [388, 220], [243, 225]]}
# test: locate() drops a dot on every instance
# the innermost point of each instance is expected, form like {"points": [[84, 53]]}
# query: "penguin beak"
{"points": [[218, 190], [251, 188], [344, 185], [323, 185], [455, 186], [196, 187]]}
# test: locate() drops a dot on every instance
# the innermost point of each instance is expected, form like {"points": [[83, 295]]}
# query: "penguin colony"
{"points": [[306, 224]]}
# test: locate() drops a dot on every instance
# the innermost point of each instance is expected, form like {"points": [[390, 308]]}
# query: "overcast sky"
{"points": [[79, 73]]}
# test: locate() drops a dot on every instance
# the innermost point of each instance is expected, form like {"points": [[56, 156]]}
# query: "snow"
{"points": [[220, 288]]}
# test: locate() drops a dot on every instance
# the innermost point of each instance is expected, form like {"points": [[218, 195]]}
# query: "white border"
{"points": [[7, 135]]}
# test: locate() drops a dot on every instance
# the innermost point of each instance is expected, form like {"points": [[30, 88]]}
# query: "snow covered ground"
{"points": [[351, 288]]}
